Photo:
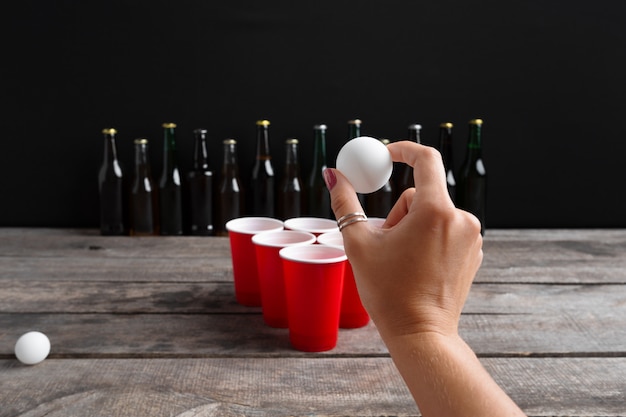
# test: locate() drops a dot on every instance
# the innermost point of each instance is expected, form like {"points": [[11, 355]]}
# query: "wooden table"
{"points": [[149, 327]]}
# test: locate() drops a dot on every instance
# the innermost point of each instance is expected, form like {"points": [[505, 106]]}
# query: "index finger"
{"points": [[427, 164]]}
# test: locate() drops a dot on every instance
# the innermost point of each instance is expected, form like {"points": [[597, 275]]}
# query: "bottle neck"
{"points": [[475, 137], [201, 153], [414, 134], [319, 150], [142, 168], [169, 150], [354, 130], [291, 162], [445, 145], [230, 166], [110, 150], [263, 143]]}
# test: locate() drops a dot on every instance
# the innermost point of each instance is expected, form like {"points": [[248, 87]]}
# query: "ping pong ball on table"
{"points": [[32, 348], [366, 163]]}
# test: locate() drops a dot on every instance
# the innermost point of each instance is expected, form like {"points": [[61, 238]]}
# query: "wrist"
{"points": [[419, 322]]}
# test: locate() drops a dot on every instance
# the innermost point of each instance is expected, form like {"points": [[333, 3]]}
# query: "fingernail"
{"points": [[329, 178]]}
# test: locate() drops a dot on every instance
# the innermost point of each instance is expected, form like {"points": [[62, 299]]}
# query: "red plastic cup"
{"points": [[243, 254], [270, 268], [313, 284], [315, 225], [353, 314]]}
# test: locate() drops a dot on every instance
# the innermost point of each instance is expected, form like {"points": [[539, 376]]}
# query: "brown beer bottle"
{"points": [[170, 193], [262, 185], [405, 180], [379, 203], [445, 147], [231, 194], [111, 188], [472, 186], [143, 195], [318, 197], [200, 188], [290, 190]]}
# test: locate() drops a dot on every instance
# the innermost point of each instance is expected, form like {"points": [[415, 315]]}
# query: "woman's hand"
{"points": [[414, 274]]}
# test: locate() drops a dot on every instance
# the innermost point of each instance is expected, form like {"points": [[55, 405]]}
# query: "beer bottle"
{"points": [[405, 179], [170, 197], [317, 194], [231, 194], [143, 201], [290, 194], [262, 184], [200, 188], [354, 131], [379, 203], [472, 178], [354, 128], [111, 188], [445, 147]]}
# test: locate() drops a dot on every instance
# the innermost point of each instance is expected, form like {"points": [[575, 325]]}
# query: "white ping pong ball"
{"points": [[366, 163], [32, 348]]}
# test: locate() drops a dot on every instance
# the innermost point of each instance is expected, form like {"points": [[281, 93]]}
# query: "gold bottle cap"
{"points": [[169, 125], [262, 122], [354, 122], [141, 141], [476, 122], [385, 141], [292, 141], [447, 125], [109, 131], [230, 142]]}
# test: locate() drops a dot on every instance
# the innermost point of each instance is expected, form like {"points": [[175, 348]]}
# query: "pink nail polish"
{"points": [[330, 178]]}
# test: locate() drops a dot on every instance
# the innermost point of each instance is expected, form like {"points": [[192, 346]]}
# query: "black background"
{"points": [[547, 78]]}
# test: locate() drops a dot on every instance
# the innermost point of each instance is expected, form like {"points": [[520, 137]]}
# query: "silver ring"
{"points": [[351, 218]]}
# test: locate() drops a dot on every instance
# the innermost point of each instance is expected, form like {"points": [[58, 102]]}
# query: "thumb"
{"points": [[343, 198]]}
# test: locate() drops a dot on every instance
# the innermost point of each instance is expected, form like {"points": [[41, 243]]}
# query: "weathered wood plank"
{"points": [[88, 243], [52, 296], [171, 335], [289, 386], [83, 269], [202, 269], [562, 256], [149, 326], [189, 335]]}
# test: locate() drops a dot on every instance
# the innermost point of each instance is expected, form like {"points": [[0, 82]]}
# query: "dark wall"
{"points": [[547, 77]]}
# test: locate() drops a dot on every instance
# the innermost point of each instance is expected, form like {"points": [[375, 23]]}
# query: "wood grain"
{"points": [[149, 326], [289, 387]]}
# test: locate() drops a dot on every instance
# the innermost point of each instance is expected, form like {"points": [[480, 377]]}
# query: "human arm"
{"points": [[413, 276]]}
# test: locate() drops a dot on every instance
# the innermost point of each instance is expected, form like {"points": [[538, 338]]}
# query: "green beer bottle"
{"points": [[354, 128], [318, 197], [472, 179], [170, 193], [354, 131]]}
